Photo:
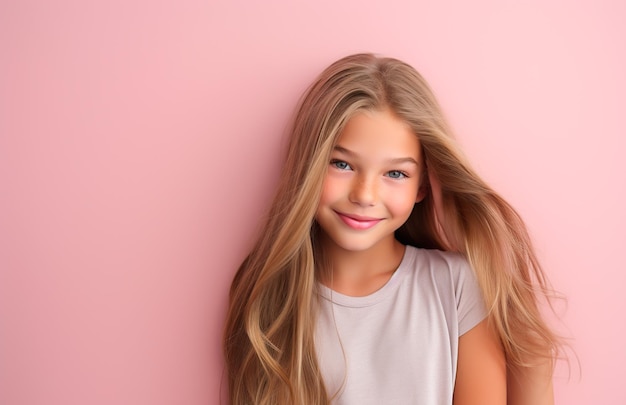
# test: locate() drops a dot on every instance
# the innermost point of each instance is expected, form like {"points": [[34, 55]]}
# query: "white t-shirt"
{"points": [[400, 344]]}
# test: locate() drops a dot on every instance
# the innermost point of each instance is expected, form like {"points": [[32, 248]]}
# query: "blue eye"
{"points": [[396, 174], [340, 164]]}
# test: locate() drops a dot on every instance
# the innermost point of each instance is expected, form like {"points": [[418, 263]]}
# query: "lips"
{"points": [[357, 221]]}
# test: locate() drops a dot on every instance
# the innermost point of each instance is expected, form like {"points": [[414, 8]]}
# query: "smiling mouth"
{"points": [[358, 222]]}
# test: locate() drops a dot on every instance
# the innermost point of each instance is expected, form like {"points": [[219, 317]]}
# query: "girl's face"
{"points": [[372, 182]]}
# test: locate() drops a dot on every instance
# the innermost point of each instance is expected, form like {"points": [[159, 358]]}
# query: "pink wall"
{"points": [[140, 142]]}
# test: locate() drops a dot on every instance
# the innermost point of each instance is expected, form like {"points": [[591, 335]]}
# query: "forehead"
{"points": [[379, 133]]}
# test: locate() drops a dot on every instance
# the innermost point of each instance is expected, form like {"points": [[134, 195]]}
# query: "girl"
{"points": [[388, 272]]}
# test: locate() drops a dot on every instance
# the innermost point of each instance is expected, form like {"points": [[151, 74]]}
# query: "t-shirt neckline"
{"points": [[377, 296]]}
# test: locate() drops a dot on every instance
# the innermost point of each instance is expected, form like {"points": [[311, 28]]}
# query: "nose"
{"points": [[364, 191]]}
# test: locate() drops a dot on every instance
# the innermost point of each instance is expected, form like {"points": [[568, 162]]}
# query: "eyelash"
{"points": [[336, 162], [402, 174]]}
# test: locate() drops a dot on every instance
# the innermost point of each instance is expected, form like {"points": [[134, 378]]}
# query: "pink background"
{"points": [[140, 142]]}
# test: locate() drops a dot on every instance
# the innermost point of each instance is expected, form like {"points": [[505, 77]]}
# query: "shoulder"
{"points": [[442, 264], [451, 277], [436, 255]]}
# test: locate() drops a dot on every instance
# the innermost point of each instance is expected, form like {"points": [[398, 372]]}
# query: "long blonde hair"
{"points": [[269, 335]]}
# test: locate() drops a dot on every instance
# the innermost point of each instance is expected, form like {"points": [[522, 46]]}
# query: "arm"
{"points": [[531, 386], [481, 377]]}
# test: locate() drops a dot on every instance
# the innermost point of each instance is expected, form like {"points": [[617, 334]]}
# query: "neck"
{"points": [[360, 273]]}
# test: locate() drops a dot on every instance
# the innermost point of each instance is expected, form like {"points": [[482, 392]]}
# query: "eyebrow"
{"points": [[350, 153]]}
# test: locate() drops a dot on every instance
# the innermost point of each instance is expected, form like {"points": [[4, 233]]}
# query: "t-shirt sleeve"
{"points": [[469, 300]]}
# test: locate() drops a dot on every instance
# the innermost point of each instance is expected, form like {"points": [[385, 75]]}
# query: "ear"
{"points": [[435, 189], [446, 235], [421, 192], [424, 186]]}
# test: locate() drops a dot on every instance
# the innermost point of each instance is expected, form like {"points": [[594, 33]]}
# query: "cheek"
{"points": [[402, 203], [330, 190]]}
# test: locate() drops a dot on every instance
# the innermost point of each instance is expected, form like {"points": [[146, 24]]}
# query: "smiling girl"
{"points": [[388, 272]]}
